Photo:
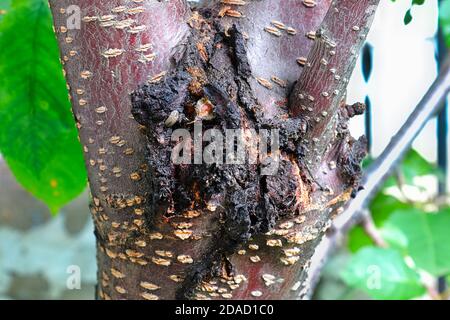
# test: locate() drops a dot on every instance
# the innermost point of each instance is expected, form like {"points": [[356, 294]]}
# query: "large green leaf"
{"points": [[381, 208], [444, 20], [382, 274], [38, 137], [423, 236]]}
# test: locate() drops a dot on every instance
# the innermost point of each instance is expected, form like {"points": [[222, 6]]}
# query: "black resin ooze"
{"points": [[212, 82]]}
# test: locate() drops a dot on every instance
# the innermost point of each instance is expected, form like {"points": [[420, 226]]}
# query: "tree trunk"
{"points": [[202, 231]]}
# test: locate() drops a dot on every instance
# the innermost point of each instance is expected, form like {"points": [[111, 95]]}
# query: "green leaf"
{"points": [[38, 137], [357, 239], [382, 274], [444, 20], [381, 208], [367, 162], [394, 238], [413, 165], [408, 17], [418, 2], [425, 238]]}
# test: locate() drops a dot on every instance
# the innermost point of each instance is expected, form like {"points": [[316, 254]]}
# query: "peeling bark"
{"points": [[214, 231]]}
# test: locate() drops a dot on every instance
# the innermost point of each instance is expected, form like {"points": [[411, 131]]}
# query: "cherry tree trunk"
{"points": [[137, 71]]}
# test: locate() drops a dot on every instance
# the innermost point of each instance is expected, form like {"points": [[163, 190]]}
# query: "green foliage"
{"points": [[409, 231], [38, 137], [413, 165], [383, 274], [381, 208], [444, 17], [408, 15], [425, 237], [444, 20]]}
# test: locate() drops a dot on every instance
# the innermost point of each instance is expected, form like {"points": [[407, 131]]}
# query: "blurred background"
{"points": [[398, 65]]}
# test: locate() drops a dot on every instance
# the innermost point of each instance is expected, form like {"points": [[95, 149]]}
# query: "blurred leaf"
{"points": [[413, 165], [331, 285], [381, 208], [447, 280], [357, 239], [383, 274], [37, 132], [408, 15], [367, 162], [395, 238], [427, 237], [4, 7], [444, 20]]}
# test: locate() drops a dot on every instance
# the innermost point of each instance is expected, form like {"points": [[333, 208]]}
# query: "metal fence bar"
{"points": [[442, 120], [380, 170], [367, 66], [368, 125], [442, 133], [442, 136]]}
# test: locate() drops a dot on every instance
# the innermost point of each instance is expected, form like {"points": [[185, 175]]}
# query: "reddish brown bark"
{"points": [[144, 253], [321, 88], [100, 83]]}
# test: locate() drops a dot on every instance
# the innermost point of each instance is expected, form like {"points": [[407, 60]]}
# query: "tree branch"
{"points": [[322, 86], [379, 171], [371, 230]]}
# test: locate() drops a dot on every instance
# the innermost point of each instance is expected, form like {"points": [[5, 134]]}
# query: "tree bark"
{"points": [[104, 62], [201, 231]]}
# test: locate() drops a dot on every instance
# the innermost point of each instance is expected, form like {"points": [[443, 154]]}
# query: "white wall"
{"points": [[404, 67]]}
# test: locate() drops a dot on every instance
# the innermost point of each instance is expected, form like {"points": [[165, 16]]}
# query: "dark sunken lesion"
{"points": [[249, 203]]}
